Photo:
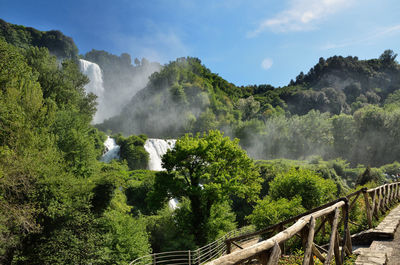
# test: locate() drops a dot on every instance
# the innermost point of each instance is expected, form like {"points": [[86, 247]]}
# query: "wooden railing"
{"points": [[378, 200], [375, 202]]}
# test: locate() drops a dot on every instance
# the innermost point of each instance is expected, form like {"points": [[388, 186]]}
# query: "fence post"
{"points": [[378, 202], [387, 205], [275, 255], [189, 257], [282, 244], [374, 198], [347, 246], [368, 208], [397, 191], [308, 242], [333, 247], [384, 198], [228, 246]]}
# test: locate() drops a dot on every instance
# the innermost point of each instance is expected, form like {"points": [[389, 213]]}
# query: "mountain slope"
{"points": [[183, 97], [341, 84], [58, 44]]}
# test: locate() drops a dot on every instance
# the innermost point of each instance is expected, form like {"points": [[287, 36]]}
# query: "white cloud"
{"points": [[372, 35], [301, 15], [266, 63]]}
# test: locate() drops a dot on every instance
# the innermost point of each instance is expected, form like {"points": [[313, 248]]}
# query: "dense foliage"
{"points": [[183, 97], [341, 119], [206, 170], [54, 195], [344, 107], [56, 42], [122, 78], [132, 150]]}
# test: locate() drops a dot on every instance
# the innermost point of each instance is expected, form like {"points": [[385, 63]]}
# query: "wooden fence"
{"points": [[336, 213]]}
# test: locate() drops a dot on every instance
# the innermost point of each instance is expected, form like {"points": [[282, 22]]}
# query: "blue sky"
{"points": [[244, 41]]}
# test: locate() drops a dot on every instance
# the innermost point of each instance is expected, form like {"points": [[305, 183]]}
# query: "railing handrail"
{"points": [[243, 254], [220, 246], [294, 218], [211, 249], [381, 196]]}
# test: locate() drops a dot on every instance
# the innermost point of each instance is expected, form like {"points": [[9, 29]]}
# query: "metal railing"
{"points": [[199, 256]]}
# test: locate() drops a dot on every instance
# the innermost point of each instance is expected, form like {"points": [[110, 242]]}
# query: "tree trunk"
{"points": [[198, 220]]}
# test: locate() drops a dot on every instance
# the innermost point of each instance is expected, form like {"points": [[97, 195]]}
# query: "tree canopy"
{"points": [[207, 169]]}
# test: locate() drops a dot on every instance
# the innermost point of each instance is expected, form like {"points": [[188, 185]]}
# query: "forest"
{"points": [[249, 155]]}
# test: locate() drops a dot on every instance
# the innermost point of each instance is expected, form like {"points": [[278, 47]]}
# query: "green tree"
{"points": [[132, 150], [207, 169], [248, 106], [268, 212], [343, 132], [388, 57], [313, 189]]}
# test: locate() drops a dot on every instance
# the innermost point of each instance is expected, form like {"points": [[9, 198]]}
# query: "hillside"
{"points": [[326, 112], [54, 40], [122, 78], [342, 85], [59, 204], [183, 97]]}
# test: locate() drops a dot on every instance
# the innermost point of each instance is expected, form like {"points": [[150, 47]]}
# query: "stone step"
{"points": [[377, 253]]}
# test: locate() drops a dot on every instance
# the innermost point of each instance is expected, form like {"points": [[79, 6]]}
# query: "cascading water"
{"points": [[156, 149], [95, 86], [112, 150]]}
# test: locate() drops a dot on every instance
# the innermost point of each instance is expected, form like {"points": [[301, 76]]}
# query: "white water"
{"points": [[173, 203], [95, 86], [156, 149], [112, 150]]}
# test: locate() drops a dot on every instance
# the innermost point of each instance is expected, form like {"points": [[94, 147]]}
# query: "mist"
{"points": [[342, 115], [118, 81]]}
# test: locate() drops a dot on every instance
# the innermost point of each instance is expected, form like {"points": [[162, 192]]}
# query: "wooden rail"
{"points": [[379, 200], [336, 213]]}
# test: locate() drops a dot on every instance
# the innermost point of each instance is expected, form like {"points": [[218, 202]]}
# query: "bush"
{"points": [[268, 212], [311, 187], [132, 150], [139, 186]]}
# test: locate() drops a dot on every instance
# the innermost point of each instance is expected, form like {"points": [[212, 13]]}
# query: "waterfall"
{"points": [[173, 203], [156, 149], [95, 86], [112, 150]]}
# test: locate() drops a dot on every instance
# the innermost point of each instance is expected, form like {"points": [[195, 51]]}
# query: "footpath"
{"points": [[385, 248]]}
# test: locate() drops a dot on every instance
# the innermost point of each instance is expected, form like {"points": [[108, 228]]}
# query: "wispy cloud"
{"points": [[266, 63], [301, 15], [374, 35]]}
